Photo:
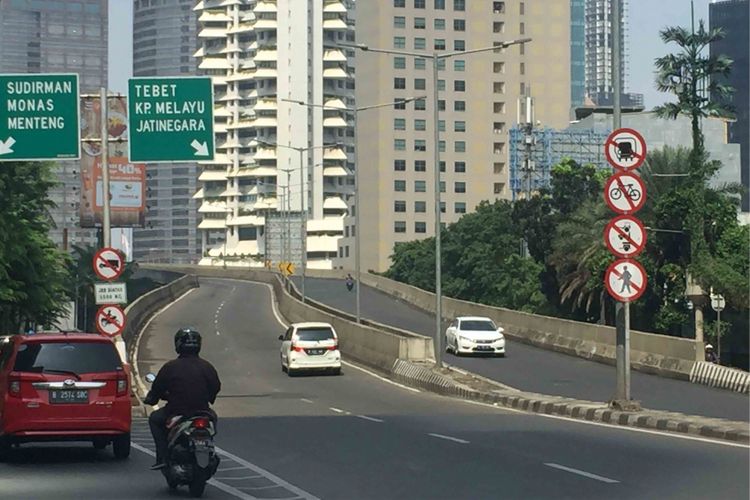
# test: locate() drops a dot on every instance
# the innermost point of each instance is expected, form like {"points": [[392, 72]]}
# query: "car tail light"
{"points": [[297, 348], [14, 387], [200, 423], [334, 347], [122, 385]]}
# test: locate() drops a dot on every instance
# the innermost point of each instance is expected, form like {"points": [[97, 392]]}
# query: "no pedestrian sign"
{"points": [[625, 236], [39, 117], [110, 320], [625, 280], [170, 119], [625, 149]]}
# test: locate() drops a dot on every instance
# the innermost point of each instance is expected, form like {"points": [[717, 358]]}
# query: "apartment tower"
{"points": [[479, 97], [270, 164], [58, 36], [164, 41]]}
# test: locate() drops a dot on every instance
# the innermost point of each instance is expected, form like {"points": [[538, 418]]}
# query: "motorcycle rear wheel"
{"points": [[197, 487]]}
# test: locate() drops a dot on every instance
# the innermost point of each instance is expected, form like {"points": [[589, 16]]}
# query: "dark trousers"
{"points": [[157, 421]]}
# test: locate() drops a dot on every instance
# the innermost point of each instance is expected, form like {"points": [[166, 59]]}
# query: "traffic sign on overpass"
{"points": [[40, 119], [170, 119]]}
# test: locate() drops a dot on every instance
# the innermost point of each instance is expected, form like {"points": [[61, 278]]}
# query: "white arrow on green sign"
{"points": [[39, 117], [171, 119]]}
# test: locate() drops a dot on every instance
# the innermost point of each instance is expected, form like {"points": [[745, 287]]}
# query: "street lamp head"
{"points": [[294, 101], [360, 46]]}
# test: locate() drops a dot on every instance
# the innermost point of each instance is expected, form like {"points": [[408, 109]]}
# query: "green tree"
{"points": [[33, 271]]}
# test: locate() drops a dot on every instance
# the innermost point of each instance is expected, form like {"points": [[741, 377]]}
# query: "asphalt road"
{"points": [[358, 436], [538, 370]]}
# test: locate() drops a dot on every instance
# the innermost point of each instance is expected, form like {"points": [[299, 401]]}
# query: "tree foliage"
{"points": [[33, 272]]}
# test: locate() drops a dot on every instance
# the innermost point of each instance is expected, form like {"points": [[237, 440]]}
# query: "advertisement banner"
{"points": [[127, 181]]}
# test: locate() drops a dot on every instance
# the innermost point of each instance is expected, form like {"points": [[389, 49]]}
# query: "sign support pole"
{"points": [[622, 310], [104, 107]]}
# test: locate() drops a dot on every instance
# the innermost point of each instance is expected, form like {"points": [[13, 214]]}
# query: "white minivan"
{"points": [[310, 346]]}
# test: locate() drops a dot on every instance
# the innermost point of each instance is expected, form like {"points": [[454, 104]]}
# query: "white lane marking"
{"points": [[270, 486], [449, 438], [335, 409], [373, 374], [371, 419], [230, 478], [582, 473], [213, 482], [271, 477], [306, 400], [609, 426], [134, 364], [218, 332], [227, 469]]}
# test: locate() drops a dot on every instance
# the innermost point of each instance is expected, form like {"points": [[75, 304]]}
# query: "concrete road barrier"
{"points": [[720, 376]]}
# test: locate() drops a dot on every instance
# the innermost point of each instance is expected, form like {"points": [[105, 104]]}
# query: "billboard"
{"points": [[127, 181]]}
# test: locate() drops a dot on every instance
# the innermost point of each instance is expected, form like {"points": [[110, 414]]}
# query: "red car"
{"points": [[63, 387]]}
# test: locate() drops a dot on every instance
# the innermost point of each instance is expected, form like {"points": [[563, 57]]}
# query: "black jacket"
{"points": [[188, 384]]}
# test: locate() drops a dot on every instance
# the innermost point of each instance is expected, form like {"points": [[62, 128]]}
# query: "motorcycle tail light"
{"points": [[200, 423]]}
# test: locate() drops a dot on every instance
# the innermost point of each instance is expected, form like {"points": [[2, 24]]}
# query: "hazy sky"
{"points": [[647, 17]]}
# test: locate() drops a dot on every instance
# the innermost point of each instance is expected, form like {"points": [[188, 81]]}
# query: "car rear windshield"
{"points": [[78, 357], [313, 334], [477, 326]]}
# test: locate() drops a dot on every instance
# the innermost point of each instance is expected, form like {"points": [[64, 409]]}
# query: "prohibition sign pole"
{"points": [[110, 320]]}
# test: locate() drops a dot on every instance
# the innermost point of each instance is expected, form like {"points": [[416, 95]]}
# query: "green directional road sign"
{"points": [[39, 117], [171, 119]]}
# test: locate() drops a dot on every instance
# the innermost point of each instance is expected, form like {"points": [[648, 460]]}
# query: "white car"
{"points": [[474, 334], [310, 346]]}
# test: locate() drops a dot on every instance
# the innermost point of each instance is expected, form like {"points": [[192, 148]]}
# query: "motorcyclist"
{"points": [[188, 384], [711, 356], [349, 282]]}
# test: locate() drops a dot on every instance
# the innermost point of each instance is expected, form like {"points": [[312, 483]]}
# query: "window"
{"points": [[399, 124], [399, 22], [420, 145], [459, 86], [498, 187], [399, 206], [498, 127], [399, 186], [420, 166], [442, 211], [420, 84], [419, 4], [523, 67], [498, 167], [522, 28], [420, 105], [420, 207], [420, 43], [441, 125], [441, 147], [459, 147], [399, 83], [420, 125], [522, 9], [459, 106], [459, 126], [498, 67], [399, 3], [441, 85], [399, 165], [399, 42], [459, 187], [459, 5], [441, 102], [419, 23], [459, 166], [498, 7], [399, 144], [400, 104], [399, 226], [459, 25], [461, 45], [459, 65], [498, 147], [399, 63], [498, 87], [440, 4], [459, 207], [420, 63], [498, 107], [442, 186], [522, 88], [439, 44], [420, 186], [420, 227], [498, 27], [78, 357], [440, 24]]}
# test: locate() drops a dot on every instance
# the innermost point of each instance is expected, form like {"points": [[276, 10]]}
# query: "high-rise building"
{"points": [[58, 36], [478, 104], [598, 54], [270, 165], [577, 52], [164, 41], [733, 16]]}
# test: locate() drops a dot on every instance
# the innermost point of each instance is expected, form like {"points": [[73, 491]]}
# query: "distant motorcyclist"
{"points": [[188, 384], [349, 282], [711, 356]]}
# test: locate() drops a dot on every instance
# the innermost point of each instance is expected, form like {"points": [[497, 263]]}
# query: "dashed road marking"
{"points": [[336, 409], [582, 473], [306, 400], [371, 419], [449, 438]]}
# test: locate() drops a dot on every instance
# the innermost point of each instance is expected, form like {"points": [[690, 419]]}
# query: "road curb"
{"points": [[452, 383]]}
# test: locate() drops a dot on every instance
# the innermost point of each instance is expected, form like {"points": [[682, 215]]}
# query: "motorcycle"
{"points": [[191, 455]]}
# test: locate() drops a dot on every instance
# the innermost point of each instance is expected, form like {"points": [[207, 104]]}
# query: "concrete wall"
{"points": [[371, 344]]}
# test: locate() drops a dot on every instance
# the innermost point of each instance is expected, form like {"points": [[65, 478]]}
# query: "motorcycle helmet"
{"points": [[187, 341]]}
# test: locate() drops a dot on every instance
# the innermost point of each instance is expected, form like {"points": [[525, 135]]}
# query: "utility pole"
{"points": [[104, 107]]}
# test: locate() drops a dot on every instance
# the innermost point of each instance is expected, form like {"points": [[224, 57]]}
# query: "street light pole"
{"points": [[436, 116]]}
